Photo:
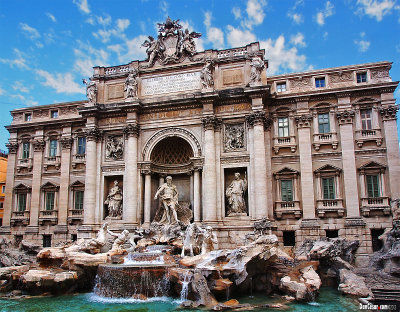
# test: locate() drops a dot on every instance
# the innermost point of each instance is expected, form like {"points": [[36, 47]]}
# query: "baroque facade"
{"points": [[315, 152]]}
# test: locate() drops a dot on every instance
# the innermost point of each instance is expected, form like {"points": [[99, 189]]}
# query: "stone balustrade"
{"points": [[330, 206], [287, 208]]}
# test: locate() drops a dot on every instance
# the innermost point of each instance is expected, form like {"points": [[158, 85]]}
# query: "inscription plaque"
{"points": [[171, 84]]}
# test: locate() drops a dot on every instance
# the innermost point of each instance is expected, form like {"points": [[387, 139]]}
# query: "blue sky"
{"points": [[49, 46]]}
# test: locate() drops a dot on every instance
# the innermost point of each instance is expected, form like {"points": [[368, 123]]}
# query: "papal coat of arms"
{"points": [[172, 44]]}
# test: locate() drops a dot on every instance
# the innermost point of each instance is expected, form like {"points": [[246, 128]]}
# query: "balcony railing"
{"points": [[52, 161], [20, 216], [325, 139], [330, 205], [285, 142], [48, 215], [365, 135], [78, 159], [369, 204], [287, 208], [24, 163], [75, 215]]}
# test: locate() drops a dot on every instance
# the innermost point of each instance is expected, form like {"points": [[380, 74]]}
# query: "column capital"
{"points": [[258, 118], [389, 113], [38, 145], [12, 147], [303, 121], [93, 134], [211, 123], [66, 142], [345, 117], [131, 130]]}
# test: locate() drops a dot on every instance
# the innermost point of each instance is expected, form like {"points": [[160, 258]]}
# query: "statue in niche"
{"points": [[131, 85], [114, 201], [235, 194], [234, 137], [187, 43], [114, 148], [257, 66], [206, 75], [91, 90], [169, 198]]}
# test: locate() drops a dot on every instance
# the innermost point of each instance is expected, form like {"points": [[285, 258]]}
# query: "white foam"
{"points": [[92, 297]]}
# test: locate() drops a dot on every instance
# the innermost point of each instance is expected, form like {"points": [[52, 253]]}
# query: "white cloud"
{"points": [[326, 12], [91, 21], [118, 30], [29, 31], [325, 35], [237, 37], [255, 13], [282, 58], [106, 20], [19, 86], [164, 6], [296, 17], [375, 8], [51, 16], [62, 83], [130, 50], [82, 5], [363, 45], [237, 12], [87, 57], [214, 35], [19, 61], [298, 40]]}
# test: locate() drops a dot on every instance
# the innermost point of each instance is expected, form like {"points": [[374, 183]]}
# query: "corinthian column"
{"points": [[8, 199]]}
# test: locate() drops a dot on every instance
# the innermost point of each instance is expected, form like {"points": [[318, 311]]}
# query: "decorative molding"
{"points": [[234, 137], [303, 121], [259, 118], [235, 159], [93, 134], [38, 145], [12, 147], [66, 142], [389, 113], [341, 77], [353, 222], [211, 123], [345, 117], [131, 130], [309, 224]]}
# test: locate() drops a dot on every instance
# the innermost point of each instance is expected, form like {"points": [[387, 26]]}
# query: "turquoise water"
{"points": [[329, 300]]}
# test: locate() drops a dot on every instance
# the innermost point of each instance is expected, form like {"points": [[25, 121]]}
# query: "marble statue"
{"points": [[114, 201], [190, 239], [210, 240], [115, 148], [120, 239], [187, 43], [91, 90], [131, 85], [94, 244], [169, 198], [206, 75], [395, 205], [235, 194], [154, 47], [257, 65]]}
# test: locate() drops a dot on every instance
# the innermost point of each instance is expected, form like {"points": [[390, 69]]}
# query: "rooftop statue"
{"points": [[91, 90]]}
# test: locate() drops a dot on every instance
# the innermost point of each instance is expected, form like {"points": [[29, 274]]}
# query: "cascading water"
{"points": [[185, 286]]}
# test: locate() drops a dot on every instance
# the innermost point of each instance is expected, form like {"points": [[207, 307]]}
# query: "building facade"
{"points": [[3, 174], [317, 152]]}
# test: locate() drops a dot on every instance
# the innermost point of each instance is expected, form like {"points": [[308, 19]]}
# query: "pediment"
{"points": [[328, 168], [372, 165], [21, 187], [286, 171], [49, 186], [77, 184]]}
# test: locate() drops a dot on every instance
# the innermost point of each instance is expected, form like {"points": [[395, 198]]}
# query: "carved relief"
{"points": [[41, 113], [66, 142], [12, 147], [68, 110], [112, 121], [171, 114], [132, 130], [93, 134], [115, 148], [38, 145], [258, 118], [206, 75], [115, 91], [234, 137], [380, 74], [232, 108], [131, 85], [389, 113], [303, 121], [211, 123], [341, 77], [17, 117], [345, 116], [301, 83]]}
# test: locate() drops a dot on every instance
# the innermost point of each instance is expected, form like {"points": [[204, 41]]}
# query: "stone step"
{"points": [[386, 294]]}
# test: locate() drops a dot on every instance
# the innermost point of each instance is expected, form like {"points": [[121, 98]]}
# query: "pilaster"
{"points": [[11, 163]]}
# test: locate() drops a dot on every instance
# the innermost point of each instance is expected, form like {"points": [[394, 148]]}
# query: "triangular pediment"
{"points": [[286, 171], [328, 168], [22, 187], [77, 184], [372, 165], [49, 185]]}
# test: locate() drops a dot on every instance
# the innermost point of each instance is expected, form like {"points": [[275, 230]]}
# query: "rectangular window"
{"points": [[53, 148], [332, 233], [49, 196], [328, 188], [81, 147], [283, 127], [373, 185], [323, 123], [74, 237], [54, 114], [78, 200], [1, 205], [366, 119], [286, 190], [28, 117], [361, 77], [25, 150], [21, 202], [320, 82], [47, 240], [281, 87], [3, 189], [1, 221], [289, 238]]}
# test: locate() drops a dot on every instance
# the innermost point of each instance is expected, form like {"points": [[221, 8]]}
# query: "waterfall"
{"points": [[185, 286]]}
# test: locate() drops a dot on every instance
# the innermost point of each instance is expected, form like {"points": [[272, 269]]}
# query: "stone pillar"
{"points": [[10, 182], [130, 212], [268, 149], [392, 149], [252, 198], [345, 119], [209, 170], [307, 179], [196, 195], [218, 171], [147, 198], [257, 120]]}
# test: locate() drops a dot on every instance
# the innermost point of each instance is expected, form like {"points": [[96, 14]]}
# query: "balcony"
{"points": [[363, 136], [330, 205], [48, 216], [287, 208], [285, 142], [52, 162], [78, 160], [24, 163], [20, 217], [325, 139], [375, 204], [75, 215]]}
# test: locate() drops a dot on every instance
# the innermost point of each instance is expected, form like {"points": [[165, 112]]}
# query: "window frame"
{"points": [[328, 189], [375, 185], [361, 75], [78, 205], [279, 86], [19, 206], [26, 150], [366, 121], [285, 127], [324, 124], [287, 194], [53, 147], [54, 113], [318, 80], [78, 145], [50, 204], [28, 117]]}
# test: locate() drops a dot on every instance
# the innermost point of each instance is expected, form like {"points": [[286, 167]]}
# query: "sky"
{"points": [[47, 47]]}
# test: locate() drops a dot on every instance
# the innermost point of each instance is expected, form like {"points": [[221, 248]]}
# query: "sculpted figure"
{"points": [[120, 239], [395, 205], [206, 75], [234, 137], [169, 198], [210, 240], [190, 239], [93, 245], [131, 85], [188, 43], [257, 66], [114, 148], [154, 47], [114, 201], [91, 90], [235, 194]]}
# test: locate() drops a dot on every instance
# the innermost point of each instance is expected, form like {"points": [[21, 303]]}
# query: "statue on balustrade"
{"points": [[206, 76], [257, 65], [114, 201], [235, 195], [131, 85], [91, 90]]}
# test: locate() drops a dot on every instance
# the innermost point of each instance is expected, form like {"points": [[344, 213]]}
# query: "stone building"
{"points": [[3, 174], [317, 152]]}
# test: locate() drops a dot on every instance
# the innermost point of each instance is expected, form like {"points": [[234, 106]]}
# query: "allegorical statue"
{"points": [[131, 85], [154, 47], [91, 90], [187, 43], [235, 194], [210, 240], [115, 148], [169, 198], [120, 239], [206, 75], [114, 201], [257, 66]]}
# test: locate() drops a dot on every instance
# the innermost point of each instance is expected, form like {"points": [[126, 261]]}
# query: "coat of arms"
{"points": [[172, 44]]}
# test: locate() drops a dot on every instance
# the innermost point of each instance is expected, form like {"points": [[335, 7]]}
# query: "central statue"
{"points": [[169, 198]]}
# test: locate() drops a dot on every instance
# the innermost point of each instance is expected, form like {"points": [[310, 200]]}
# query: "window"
{"points": [[3, 189], [361, 77], [320, 82], [323, 123], [281, 87], [373, 185], [53, 148], [25, 150], [289, 238], [1, 221], [377, 244], [332, 233], [283, 127], [28, 117], [49, 200], [47, 240], [78, 200], [81, 147], [366, 119], [328, 188], [74, 237], [1, 205], [21, 201], [286, 190], [54, 114]]}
